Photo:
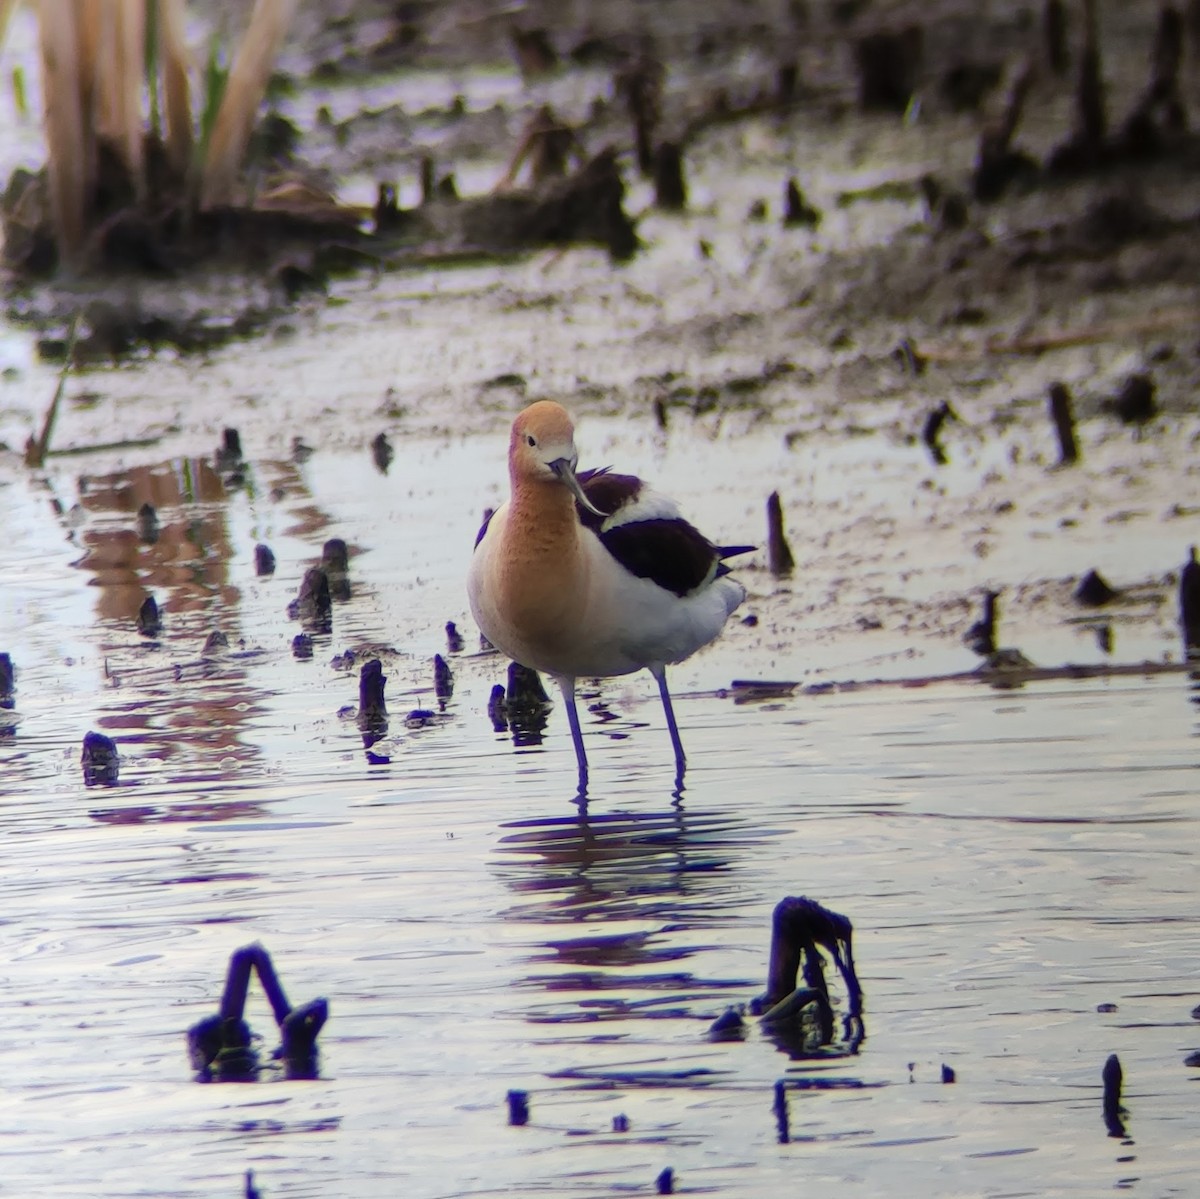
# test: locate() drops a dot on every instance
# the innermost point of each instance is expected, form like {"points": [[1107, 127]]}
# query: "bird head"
{"points": [[542, 449]]}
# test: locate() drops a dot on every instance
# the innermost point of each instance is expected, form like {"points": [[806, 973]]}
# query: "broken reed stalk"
{"points": [[70, 168], [150, 69], [118, 61], [36, 449], [1014, 101], [244, 90], [995, 161], [1168, 56], [1093, 118], [1054, 32], [670, 188], [173, 69], [1064, 424], [1189, 606], [1112, 1076], [779, 554]]}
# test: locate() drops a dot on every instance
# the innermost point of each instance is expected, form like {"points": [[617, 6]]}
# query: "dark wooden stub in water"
{"points": [[1064, 424], [931, 432], [100, 761], [1112, 1076], [780, 559], [518, 1108], [980, 638], [1189, 606], [220, 1046], [798, 926], [313, 605], [372, 707]]}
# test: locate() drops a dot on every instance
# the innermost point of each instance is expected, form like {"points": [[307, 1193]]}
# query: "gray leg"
{"points": [[566, 685], [660, 674]]}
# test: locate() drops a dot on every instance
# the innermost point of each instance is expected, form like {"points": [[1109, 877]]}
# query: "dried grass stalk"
{"points": [[119, 69], [173, 65], [94, 56], [243, 93], [70, 167], [6, 10], [88, 21]]}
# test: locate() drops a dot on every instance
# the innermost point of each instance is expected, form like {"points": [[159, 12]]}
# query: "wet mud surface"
{"points": [[1014, 847]]}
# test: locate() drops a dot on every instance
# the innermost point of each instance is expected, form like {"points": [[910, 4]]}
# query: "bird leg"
{"points": [[566, 685], [660, 675]]}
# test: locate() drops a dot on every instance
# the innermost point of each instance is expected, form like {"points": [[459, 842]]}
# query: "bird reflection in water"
{"points": [[666, 869]]}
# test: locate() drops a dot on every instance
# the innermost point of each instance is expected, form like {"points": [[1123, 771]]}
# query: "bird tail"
{"points": [[730, 551]]}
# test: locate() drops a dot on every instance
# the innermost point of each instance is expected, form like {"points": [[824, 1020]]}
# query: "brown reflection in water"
{"points": [[189, 559], [200, 811], [170, 702]]}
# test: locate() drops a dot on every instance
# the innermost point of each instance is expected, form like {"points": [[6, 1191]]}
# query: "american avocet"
{"points": [[593, 575]]}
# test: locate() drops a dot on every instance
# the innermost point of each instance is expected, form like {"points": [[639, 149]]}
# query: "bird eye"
{"points": [[531, 440]]}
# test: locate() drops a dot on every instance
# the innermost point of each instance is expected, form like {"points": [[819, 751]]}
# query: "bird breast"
{"points": [[527, 586]]}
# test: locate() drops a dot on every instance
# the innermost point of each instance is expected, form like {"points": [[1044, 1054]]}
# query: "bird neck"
{"points": [[541, 572], [542, 514]]}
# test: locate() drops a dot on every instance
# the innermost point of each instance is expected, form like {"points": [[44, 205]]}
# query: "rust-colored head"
{"points": [[542, 449]]}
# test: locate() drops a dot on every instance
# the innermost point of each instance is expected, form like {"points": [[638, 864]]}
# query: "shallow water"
{"points": [[1013, 860], [1010, 860]]}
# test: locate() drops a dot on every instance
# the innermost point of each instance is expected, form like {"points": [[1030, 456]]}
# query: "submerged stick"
{"points": [[1171, 318], [36, 450], [335, 562]]}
